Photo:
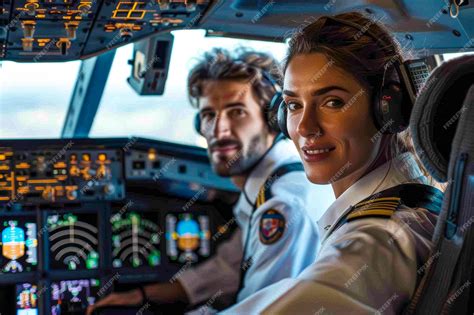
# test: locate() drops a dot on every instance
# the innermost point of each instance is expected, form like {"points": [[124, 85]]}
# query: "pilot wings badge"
{"points": [[272, 226]]}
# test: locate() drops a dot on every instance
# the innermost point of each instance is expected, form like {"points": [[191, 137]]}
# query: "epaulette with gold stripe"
{"points": [[261, 197], [378, 207], [385, 203], [264, 192]]}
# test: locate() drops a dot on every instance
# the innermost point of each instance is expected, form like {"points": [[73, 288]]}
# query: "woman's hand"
{"points": [[130, 298]]}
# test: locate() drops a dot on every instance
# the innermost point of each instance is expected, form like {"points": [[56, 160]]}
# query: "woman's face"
{"points": [[329, 119]]}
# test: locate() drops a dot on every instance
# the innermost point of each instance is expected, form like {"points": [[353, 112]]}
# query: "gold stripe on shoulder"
{"points": [[393, 208], [378, 204], [260, 197], [368, 208], [379, 200], [378, 212]]}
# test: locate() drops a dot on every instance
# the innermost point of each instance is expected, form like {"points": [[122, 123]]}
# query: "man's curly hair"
{"points": [[244, 65]]}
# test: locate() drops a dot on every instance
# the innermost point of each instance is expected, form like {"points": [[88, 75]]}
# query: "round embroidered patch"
{"points": [[272, 226]]}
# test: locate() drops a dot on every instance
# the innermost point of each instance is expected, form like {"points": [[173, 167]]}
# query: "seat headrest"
{"points": [[436, 113]]}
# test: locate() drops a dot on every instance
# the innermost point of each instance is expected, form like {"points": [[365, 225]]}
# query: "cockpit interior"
{"points": [[104, 183]]}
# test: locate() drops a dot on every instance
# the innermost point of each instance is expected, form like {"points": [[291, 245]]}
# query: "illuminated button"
{"points": [[151, 156], [31, 8], [3, 157], [74, 171], [86, 157], [102, 157]]}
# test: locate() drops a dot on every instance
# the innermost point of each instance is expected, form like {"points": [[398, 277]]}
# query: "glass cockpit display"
{"points": [[26, 299], [18, 244], [187, 237], [135, 240], [73, 241], [73, 296]]}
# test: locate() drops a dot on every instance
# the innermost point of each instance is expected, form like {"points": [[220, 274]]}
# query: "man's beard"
{"points": [[246, 158]]}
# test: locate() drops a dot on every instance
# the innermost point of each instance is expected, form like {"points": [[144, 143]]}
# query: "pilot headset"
{"points": [[392, 103], [270, 110]]}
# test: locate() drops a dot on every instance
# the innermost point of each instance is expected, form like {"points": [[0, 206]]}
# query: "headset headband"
{"points": [[398, 63]]}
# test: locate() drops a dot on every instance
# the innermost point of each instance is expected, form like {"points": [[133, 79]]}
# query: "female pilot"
{"points": [[345, 106]]}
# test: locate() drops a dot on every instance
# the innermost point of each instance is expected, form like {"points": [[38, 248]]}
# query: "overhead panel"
{"points": [[62, 30]]}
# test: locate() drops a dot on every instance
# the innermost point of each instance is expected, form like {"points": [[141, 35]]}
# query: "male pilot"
{"points": [[275, 238]]}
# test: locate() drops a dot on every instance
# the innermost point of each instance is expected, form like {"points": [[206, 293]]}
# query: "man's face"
{"points": [[233, 125]]}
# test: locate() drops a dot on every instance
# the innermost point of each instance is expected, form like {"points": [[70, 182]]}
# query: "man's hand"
{"points": [[157, 293], [129, 298]]}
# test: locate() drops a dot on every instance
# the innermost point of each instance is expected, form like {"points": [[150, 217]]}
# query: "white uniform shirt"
{"points": [[286, 257], [366, 266]]}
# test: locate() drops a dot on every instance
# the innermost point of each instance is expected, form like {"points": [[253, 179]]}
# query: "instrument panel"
{"points": [[62, 30], [50, 176], [81, 217]]}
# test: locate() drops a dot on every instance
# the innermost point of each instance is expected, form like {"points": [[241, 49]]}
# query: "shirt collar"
{"points": [[282, 152], [402, 169]]}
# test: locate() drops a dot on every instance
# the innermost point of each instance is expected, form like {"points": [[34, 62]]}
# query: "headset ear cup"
{"points": [[281, 118], [391, 113], [197, 124], [272, 112]]}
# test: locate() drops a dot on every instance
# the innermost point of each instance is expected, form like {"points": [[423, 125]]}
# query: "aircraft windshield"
{"points": [[35, 98]]}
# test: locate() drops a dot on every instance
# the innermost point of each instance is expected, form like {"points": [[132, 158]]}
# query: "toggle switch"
{"points": [[191, 5], [63, 44], [164, 4], [71, 194], [165, 22], [27, 44], [28, 28], [71, 30], [85, 8], [49, 193], [126, 34]]}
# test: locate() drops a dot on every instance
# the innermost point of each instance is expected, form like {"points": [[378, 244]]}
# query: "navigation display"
{"points": [[73, 241], [135, 240]]}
